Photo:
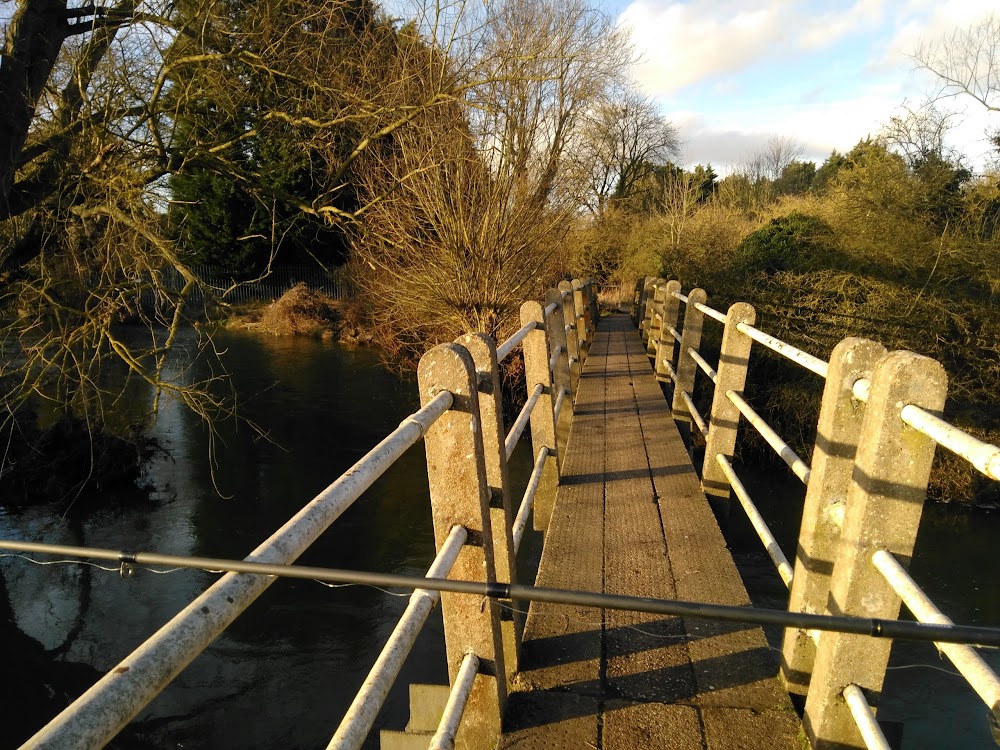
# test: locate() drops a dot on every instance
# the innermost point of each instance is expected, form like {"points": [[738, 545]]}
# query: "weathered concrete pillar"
{"points": [[582, 318], [724, 419], [837, 433], [543, 431], [884, 504], [484, 355], [555, 328], [592, 304], [637, 300], [572, 343], [687, 368], [656, 316], [460, 495], [644, 305], [665, 347]]}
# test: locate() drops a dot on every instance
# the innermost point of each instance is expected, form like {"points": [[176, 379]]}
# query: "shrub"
{"points": [[786, 243]]}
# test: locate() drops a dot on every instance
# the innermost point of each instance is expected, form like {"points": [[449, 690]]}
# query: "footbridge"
{"points": [[637, 631]]}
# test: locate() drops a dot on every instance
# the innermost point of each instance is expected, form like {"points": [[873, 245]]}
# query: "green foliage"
{"points": [[796, 178], [787, 242]]}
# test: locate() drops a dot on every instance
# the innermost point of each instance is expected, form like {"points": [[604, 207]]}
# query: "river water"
{"points": [[284, 673]]}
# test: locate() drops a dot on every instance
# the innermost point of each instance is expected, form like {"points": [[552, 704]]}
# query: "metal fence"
{"points": [[878, 428]]}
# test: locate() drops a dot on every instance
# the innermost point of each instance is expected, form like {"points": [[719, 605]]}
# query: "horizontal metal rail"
{"points": [[808, 361], [528, 499], [360, 717], [554, 359], [682, 297], [695, 414], [549, 309], [874, 627], [444, 737], [673, 332], [790, 457], [670, 370], [972, 666], [521, 422], [658, 316], [705, 367], [864, 717], [504, 350], [114, 700], [557, 409], [711, 312], [985, 457], [757, 520]]}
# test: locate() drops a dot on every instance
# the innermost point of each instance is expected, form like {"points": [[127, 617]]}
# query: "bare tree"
{"points": [[967, 62], [624, 138]]}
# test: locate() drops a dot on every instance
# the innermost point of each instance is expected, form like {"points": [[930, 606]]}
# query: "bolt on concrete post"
{"points": [[460, 495], [575, 363], [543, 430], [484, 355], [644, 300], [555, 328], [724, 419], [665, 346], [884, 503], [656, 317], [687, 368], [837, 432], [582, 318]]}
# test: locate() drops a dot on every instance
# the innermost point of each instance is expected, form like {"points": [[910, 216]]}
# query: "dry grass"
{"points": [[298, 312]]}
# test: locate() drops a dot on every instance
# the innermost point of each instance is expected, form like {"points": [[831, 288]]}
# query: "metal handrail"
{"points": [[972, 666], [670, 370], [361, 715], [560, 399], [116, 698], [528, 500], [554, 359], [806, 360], [522, 419], [783, 449], [705, 367], [985, 457], [444, 737], [864, 717], [504, 350], [549, 309], [711, 312], [675, 334], [682, 297], [695, 414], [757, 520]]}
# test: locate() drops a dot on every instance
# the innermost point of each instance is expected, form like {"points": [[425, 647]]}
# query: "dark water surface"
{"points": [[284, 673]]}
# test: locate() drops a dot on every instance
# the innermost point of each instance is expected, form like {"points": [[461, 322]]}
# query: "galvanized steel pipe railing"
{"points": [[806, 360], [682, 297], [972, 666], [864, 717], [504, 350], [444, 737], [517, 429], [557, 409], [94, 718], [677, 336], [984, 456], [528, 499], [790, 457], [361, 715], [670, 370], [554, 359], [757, 520], [695, 414], [711, 312], [703, 364]]}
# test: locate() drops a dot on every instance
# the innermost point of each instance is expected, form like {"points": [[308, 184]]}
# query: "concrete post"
{"points": [[543, 429], [460, 495], [556, 336], [582, 318], [886, 497], [636, 300], [687, 368], [484, 355], [656, 317], [665, 348], [644, 306], [724, 418], [572, 343], [592, 305], [823, 512]]}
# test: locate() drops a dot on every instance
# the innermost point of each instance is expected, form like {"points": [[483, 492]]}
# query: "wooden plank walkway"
{"points": [[630, 518]]}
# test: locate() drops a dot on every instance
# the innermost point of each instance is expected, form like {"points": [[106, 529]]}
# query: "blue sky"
{"points": [[731, 75]]}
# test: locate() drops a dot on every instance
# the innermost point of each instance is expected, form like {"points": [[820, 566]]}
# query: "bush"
{"points": [[786, 243]]}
